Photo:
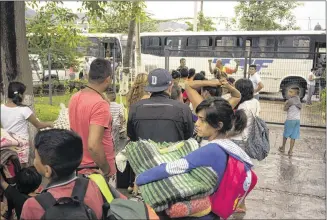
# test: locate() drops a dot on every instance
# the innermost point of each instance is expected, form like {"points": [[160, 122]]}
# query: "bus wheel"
{"points": [[290, 85]]}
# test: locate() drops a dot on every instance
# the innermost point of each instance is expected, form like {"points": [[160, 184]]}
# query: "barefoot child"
{"points": [[293, 107]]}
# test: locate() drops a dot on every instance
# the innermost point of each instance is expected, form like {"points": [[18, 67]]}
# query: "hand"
{"points": [[224, 82]]}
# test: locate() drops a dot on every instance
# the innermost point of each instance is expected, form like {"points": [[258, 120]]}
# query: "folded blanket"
{"points": [[198, 183], [15, 143]]}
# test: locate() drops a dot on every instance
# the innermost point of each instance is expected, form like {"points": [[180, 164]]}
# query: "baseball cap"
{"points": [[159, 80]]}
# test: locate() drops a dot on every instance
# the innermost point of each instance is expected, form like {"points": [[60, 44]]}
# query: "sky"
{"points": [[316, 10]]}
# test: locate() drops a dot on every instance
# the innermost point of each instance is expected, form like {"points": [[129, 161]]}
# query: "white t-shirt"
{"points": [[250, 107], [313, 82], [255, 79], [14, 120]]}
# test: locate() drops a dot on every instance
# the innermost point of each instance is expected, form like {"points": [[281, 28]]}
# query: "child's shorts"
{"points": [[292, 129]]}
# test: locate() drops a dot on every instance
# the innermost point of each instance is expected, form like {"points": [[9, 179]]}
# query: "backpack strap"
{"points": [[80, 188], [46, 200]]}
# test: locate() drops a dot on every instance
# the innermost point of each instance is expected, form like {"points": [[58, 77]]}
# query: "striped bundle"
{"points": [[200, 182]]}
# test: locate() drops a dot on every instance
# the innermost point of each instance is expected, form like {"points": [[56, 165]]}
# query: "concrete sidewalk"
{"points": [[290, 188]]}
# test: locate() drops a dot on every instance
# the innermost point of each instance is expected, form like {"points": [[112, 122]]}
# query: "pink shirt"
{"points": [[93, 199], [86, 108]]}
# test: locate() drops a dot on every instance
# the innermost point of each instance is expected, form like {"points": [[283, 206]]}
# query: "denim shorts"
{"points": [[292, 129]]}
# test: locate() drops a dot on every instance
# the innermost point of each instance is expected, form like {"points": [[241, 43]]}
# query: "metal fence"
{"points": [[279, 71]]}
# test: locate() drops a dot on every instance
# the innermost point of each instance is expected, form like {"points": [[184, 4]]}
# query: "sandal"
{"points": [[281, 149], [240, 210], [290, 153]]}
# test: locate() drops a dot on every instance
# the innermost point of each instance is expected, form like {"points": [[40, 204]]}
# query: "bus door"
{"points": [[320, 63]]}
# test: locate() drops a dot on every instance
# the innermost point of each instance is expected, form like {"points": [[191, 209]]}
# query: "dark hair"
{"points": [[191, 73], [111, 95], [100, 70], [296, 89], [60, 149], [199, 76], [28, 180], [176, 91], [16, 91], [245, 87], [253, 65], [182, 60], [219, 110], [184, 72], [203, 73], [214, 91], [231, 80], [175, 74]]}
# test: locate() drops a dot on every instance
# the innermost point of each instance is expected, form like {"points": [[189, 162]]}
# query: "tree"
{"points": [[204, 23], [134, 12], [265, 15], [15, 65], [53, 30]]}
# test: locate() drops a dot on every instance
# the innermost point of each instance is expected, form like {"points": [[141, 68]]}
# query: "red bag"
{"points": [[235, 185]]}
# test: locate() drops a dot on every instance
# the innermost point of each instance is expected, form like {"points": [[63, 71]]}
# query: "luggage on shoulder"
{"points": [[67, 207]]}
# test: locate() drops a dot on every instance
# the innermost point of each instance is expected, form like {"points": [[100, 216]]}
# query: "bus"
{"points": [[283, 58]]}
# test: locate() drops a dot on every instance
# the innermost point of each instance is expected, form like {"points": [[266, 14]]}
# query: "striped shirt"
{"points": [[117, 113]]}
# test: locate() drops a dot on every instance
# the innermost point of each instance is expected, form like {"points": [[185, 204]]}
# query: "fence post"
{"points": [[245, 62], [166, 59], [250, 57]]}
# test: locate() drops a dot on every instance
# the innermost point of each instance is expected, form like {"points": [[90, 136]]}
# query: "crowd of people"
{"points": [[164, 107]]}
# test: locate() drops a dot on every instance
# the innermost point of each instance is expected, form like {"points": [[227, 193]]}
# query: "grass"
{"points": [[46, 112]]}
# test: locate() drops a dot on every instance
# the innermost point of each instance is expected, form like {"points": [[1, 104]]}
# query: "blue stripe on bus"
{"points": [[258, 62]]}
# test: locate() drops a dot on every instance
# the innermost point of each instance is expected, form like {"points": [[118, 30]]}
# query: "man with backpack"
{"points": [[58, 153]]}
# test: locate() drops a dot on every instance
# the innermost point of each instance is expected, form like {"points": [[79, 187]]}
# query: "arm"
{"points": [[260, 86], [208, 156], [210, 67], [235, 94], [201, 83], [39, 124], [287, 105], [194, 97], [130, 128], [189, 124], [99, 121]]}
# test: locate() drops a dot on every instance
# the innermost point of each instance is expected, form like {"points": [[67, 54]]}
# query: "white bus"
{"points": [[283, 58]]}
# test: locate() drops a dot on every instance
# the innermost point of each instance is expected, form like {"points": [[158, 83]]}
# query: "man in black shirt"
{"points": [[160, 118]]}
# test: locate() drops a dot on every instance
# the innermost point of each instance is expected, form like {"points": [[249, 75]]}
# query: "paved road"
{"points": [[290, 188]]}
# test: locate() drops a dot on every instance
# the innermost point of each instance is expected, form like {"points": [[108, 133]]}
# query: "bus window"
{"points": [[292, 44], [154, 42], [192, 42], [261, 46], [228, 46]]}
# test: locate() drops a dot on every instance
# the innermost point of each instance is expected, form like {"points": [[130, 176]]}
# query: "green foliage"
{"points": [[47, 112], [204, 23], [115, 16], [53, 29], [255, 15]]}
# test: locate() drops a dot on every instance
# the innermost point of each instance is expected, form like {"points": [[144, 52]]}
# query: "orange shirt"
{"points": [[86, 108]]}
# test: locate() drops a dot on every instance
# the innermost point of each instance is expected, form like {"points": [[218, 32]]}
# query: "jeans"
{"points": [[311, 90]]}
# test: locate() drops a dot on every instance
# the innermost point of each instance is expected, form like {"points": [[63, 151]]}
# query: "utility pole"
{"points": [[195, 19], [309, 24], [201, 6]]}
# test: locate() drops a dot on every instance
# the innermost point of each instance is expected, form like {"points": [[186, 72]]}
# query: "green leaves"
{"points": [[114, 16], [204, 23], [265, 15], [53, 29]]}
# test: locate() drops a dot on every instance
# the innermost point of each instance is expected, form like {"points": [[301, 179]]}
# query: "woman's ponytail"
{"points": [[16, 92], [240, 121]]}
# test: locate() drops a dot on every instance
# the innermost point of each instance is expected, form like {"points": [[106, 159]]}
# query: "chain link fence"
{"points": [[279, 72]]}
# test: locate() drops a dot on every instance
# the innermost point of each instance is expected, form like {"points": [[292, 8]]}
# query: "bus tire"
{"points": [[290, 85]]}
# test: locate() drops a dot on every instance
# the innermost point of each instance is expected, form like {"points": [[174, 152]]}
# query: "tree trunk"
{"points": [[128, 55], [16, 65]]}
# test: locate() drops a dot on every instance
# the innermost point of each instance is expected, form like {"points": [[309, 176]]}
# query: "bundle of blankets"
{"points": [[180, 195]]}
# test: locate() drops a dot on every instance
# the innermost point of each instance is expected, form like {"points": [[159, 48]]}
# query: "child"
{"points": [[58, 153], [28, 180], [292, 124]]}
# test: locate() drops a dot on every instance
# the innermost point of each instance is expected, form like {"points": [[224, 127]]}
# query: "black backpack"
{"points": [[67, 207]]}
